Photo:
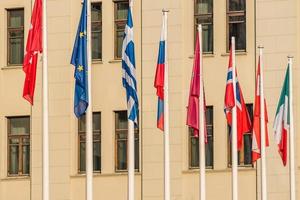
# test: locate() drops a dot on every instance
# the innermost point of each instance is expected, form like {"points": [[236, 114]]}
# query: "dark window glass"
{"points": [[96, 142], [236, 18], [121, 9], [15, 36], [18, 146], [204, 15], [121, 142], [194, 143], [96, 14]]}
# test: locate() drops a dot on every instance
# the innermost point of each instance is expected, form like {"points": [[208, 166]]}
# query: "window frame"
{"points": [[20, 145], [9, 29], [190, 135], [204, 16], [234, 14], [136, 138], [100, 31], [118, 23], [81, 134]]}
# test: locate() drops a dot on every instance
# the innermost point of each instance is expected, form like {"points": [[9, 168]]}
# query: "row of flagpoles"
{"points": [[235, 109]]}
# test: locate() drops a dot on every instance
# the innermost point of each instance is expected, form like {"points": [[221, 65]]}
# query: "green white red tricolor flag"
{"points": [[282, 118]]}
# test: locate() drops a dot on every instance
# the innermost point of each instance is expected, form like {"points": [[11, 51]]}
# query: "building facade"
{"points": [[271, 23]]}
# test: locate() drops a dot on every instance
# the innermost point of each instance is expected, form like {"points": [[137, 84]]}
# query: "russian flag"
{"points": [[159, 78]]}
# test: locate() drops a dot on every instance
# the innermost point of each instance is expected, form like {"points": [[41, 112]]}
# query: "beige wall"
{"points": [[276, 29]]}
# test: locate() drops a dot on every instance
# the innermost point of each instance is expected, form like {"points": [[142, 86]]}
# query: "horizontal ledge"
{"points": [[238, 53], [12, 67], [210, 171], [105, 174], [115, 61]]}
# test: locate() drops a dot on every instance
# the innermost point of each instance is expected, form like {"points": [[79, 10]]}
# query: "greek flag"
{"points": [[128, 70]]}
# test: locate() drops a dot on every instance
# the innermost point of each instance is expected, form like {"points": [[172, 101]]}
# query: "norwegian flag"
{"points": [[33, 47], [243, 119]]}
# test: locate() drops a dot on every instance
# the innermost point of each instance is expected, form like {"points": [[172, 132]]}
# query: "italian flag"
{"points": [[282, 119]]}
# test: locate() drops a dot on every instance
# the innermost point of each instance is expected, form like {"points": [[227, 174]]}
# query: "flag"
{"points": [[128, 70], [243, 119], [194, 95], [33, 47], [282, 119], [159, 77], [256, 144], [80, 61]]}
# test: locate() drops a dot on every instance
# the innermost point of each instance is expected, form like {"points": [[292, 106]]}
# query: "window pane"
{"points": [[122, 120], [26, 159], [19, 126], [122, 9], [238, 30], [247, 149], [204, 6], [194, 152], [16, 51], [136, 152], [16, 18], [96, 121], [207, 38], [119, 42], [237, 5], [97, 156], [209, 152], [82, 157], [122, 155], [96, 12], [14, 159]]}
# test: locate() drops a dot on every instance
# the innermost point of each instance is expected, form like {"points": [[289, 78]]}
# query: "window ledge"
{"points": [[13, 178], [97, 62], [207, 55], [115, 61], [12, 67], [238, 53], [105, 174], [209, 171]]}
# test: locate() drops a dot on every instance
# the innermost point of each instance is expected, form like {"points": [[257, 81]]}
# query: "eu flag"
{"points": [[79, 60]]}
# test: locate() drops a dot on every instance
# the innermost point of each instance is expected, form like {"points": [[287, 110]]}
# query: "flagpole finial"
{"points": [[260, 46], [290, 56], [165, 10]]}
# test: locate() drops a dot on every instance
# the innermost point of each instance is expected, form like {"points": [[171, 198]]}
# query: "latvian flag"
{"points": [[159, 77], [282, 119]]}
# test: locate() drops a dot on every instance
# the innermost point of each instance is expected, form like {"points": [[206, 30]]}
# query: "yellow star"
{"points": [[80, 68], [82, 34]]}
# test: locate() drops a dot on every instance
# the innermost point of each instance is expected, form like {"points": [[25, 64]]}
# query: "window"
{"points": [[15, 36], [18, 146], [203, 14], [96, 142], [245, 154], [121, 9], [236, 19], [96, 14], [209, 148], [121, 142]]}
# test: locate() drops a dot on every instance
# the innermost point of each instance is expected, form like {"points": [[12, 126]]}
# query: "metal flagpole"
{"points": [[292, 134], [264, 194], [89, 115], [45, 107], [202, 124], [166, 115], [234, 129]]}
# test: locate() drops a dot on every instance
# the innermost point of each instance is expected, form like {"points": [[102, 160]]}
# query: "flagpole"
{"points": [[166, 115], [89, 115], [234, 166], [45, 107], [201, 117], [292, 134], [262, 129]]}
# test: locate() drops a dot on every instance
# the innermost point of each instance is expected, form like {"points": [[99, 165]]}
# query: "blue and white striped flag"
{"points": [[128, 69]]}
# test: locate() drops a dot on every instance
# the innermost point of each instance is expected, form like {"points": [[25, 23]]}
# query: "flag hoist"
{"points": [[81, 59], [130, 84], [161, 83], [196, 110]]}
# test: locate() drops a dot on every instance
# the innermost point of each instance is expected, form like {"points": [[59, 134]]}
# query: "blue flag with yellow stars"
{"points": [[80, 61]]}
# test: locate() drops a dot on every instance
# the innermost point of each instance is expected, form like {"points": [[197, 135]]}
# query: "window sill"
{"points": [[207, 55], [238, 53], [115, 61], [104, 174], [12, 67], [97, 62], [192, 171], [13, 178]]}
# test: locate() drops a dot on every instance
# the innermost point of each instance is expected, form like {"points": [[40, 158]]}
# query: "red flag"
{"points": [[193, 104], [33, 46], [256, 142]]}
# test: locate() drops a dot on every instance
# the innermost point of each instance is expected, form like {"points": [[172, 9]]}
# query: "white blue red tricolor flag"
{"points": [[243, 119], [160, 75], [128, 70]]}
